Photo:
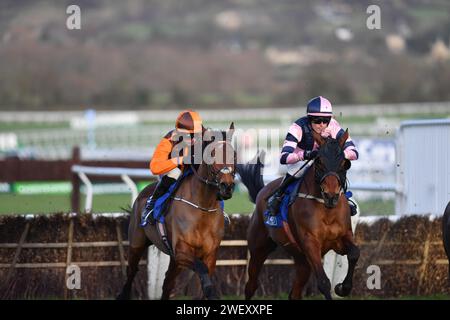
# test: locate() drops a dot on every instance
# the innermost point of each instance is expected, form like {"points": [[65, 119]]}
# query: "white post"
{"points": [[130, 183], [157, 264], [89, 191]]}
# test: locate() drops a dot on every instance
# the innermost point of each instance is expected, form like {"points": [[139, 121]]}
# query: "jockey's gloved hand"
{"points": [[310, 154]]}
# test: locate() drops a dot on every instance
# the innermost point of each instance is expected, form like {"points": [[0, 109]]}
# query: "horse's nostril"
{"points": [[226, 186], [331, 199]]}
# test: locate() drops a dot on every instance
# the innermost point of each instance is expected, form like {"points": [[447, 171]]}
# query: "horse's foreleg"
{"points": [[203, 272], [169, 281], [185, 258], [210, 262], [343, 289], [312, 250], [134, 256], [303, 271], [258, 255]]}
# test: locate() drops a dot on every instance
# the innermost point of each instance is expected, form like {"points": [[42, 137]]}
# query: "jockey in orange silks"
{"points": [[164, 162]]}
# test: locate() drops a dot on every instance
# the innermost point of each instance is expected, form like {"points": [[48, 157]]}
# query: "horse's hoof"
{"points": [[211, 294], [123, 296], [342, 291]]}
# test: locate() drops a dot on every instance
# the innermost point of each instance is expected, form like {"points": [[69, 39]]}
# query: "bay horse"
{"points": [[194, 223], [319, 220], [446, 235]]}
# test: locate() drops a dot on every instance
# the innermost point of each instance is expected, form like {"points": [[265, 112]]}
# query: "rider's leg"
{"points": [[293, 172], [161, 188], [273, 203]]}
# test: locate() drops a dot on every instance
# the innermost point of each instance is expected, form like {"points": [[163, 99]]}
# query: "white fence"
{"points": [[124, 173]]}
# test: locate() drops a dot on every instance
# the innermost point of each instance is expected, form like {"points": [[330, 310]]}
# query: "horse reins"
{"points": [[214, 183], [293, 175]]}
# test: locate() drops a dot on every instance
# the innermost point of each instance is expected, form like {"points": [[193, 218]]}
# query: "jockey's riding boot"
{"points": [[273, 203], [161, 188]]}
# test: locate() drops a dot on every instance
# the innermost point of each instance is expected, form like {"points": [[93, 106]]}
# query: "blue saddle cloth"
{"points": [[276, 221], [160, 204], [289, 197]]}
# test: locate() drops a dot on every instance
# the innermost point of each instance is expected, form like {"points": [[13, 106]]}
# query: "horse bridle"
{"points": [[214, 182], [340, 178], [216, 174], [334, 174]]}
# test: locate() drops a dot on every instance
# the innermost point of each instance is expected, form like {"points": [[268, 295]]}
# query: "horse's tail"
{"points": [[251, 176], [128, 210], [446, 232]]}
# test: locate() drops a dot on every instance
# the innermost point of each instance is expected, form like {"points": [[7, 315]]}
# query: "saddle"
{"points": [[289, 197], [160, 210], [162, 203]]}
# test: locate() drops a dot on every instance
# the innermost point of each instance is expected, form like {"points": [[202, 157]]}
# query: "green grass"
{"points": [[134, 32], [15, 126], [239, 203], [348, 120], [251, 100], [426, 17], [52, 203], [400, 117], [377, 207]]}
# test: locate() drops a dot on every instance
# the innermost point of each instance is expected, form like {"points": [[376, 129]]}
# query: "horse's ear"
{"points": [[203, 131], [343, 138], [230, 132], [318, 138]]}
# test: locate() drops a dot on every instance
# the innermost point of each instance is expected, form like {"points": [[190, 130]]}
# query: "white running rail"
{"points": [[124, 173]]}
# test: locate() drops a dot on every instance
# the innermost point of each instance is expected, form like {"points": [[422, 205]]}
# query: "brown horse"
{"points": [[318, 221], [446, 235], [194, 220]]}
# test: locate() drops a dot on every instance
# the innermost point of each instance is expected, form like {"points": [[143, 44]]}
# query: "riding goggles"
{"points": [[318, 120]]}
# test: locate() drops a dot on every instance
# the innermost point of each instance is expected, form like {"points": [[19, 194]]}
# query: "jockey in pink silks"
{"points": [[299, 145]]}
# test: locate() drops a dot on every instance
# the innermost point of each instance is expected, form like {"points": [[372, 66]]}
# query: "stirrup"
{"points": [[147, 218], [273, 204]]}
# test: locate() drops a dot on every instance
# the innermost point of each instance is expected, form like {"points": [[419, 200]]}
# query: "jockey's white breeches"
{"points": [[174, 173]]}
